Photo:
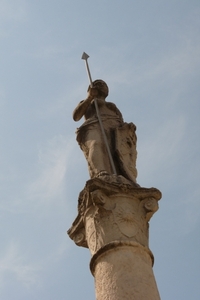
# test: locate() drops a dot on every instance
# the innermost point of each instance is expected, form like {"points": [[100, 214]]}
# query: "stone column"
{"points": [[113, 222]]}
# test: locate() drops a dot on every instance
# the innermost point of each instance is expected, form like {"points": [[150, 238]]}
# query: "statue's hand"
{"points": [[92, 93]]}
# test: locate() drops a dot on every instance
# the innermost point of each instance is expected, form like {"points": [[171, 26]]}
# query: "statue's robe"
{"points": [[121, 139]]}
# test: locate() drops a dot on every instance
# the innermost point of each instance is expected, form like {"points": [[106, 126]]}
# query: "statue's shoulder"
{"points": [[114, 108]]}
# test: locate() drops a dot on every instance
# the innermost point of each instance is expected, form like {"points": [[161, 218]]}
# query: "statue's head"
{"points": [[102, 87]]}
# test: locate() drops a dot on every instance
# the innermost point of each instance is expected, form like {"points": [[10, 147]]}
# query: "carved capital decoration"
{"points": [[113, 212]]}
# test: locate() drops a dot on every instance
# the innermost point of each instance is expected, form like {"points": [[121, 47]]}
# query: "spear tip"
{"points": [[85, 56]]}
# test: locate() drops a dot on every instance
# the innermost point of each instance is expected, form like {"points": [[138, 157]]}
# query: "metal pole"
{"points": [[85, 57]]}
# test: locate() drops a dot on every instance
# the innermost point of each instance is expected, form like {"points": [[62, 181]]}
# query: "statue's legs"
{"points": [[91, 141], [96, 153]]}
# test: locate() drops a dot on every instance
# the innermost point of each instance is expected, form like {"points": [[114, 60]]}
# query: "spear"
{"points": [[85, 56]]}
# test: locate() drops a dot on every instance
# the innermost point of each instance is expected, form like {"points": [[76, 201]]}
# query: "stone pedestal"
{"points": [[113, 223]]}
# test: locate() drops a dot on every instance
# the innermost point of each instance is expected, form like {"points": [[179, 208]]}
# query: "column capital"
{"points": [[110, 212]]}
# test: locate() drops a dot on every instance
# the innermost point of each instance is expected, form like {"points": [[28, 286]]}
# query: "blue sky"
{"points": [[149, 54]]}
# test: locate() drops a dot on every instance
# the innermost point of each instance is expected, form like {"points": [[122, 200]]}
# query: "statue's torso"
{"points": [[107, 111]]}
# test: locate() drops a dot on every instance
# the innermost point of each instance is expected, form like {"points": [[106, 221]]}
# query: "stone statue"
{"points": [[113, 210], [120, 136]]}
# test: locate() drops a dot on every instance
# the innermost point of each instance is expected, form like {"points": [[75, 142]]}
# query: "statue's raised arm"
{"points": [[81, 108]]}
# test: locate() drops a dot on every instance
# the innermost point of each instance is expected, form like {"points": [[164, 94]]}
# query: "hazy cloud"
{"points": [[13, 10], [164, 145], [52, 166], [13, 262]]}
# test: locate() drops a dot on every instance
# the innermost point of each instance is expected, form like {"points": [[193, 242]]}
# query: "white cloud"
{"points": [[53, 163], [13, 10], [178, 61], [49, 51], [14, 263], [177, 64], [166, 157], [163, 146], [191, 214]]}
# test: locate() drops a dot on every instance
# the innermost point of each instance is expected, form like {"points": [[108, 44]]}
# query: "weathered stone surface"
{"points": [[125, 272], [109, 212]]}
